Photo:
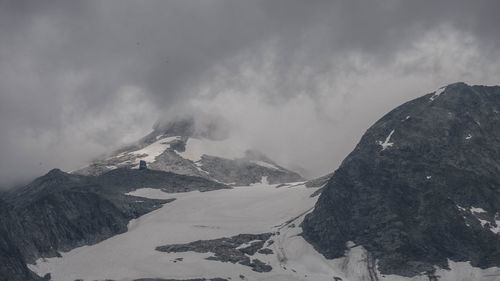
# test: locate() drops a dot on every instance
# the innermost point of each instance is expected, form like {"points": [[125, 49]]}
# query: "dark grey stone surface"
{"points": [[227, 249], [401, 203]]}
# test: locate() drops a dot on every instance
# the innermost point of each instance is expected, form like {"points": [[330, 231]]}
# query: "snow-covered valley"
{"points": [[193, 216], [259, 208]]}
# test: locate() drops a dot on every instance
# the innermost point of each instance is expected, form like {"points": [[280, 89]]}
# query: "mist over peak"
{"points": [[199, 125], [82, 79]]}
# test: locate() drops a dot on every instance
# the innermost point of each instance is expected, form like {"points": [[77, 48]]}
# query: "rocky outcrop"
{"points": [[143, 165], [236, 249], [422, 186], [125, 180]]}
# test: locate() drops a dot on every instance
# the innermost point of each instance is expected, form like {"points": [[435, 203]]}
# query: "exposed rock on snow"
{"points": [[236, 249], [143, 165]]}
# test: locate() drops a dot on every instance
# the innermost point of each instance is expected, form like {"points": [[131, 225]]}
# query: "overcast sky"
{"points": [[299, 80]]}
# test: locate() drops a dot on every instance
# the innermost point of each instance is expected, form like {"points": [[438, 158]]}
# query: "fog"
{"points": [[299, 80]]}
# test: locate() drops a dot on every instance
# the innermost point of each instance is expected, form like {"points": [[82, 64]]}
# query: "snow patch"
{"points": [[150, 193], [150, 152], [386, 143], [495, 229], [437, 93], [247, 244], [477, 210], [482, 222], [264, 180]]}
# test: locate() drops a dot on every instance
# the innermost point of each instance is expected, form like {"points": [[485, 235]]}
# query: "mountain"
{"points": [[420, 191], [416, 200], [59, 212], [62, 211], [205, 150]]}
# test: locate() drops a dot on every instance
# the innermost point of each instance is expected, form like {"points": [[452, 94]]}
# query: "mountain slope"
{"points": [[12, 264], [421, 187], [59, 211]]}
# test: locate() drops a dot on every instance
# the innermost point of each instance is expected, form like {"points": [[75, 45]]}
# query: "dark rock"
{"points": [[401, 201], [265, 251], [259, 266], [227, 249]]}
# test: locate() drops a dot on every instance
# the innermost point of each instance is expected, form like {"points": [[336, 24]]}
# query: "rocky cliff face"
{"points": [[422, 186], [12, 263], [60, 211]]}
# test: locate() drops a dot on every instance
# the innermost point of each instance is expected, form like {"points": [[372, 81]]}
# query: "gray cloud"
{"points": [[78, 78]]}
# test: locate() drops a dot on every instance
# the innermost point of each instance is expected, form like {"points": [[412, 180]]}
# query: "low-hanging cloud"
{"points": [[301, 80]]}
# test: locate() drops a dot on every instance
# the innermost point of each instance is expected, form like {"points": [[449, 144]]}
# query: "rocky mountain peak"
{"points": [[421, 187]]}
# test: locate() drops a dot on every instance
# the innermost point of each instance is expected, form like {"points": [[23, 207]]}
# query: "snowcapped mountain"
{"points": [[186, 148]]}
